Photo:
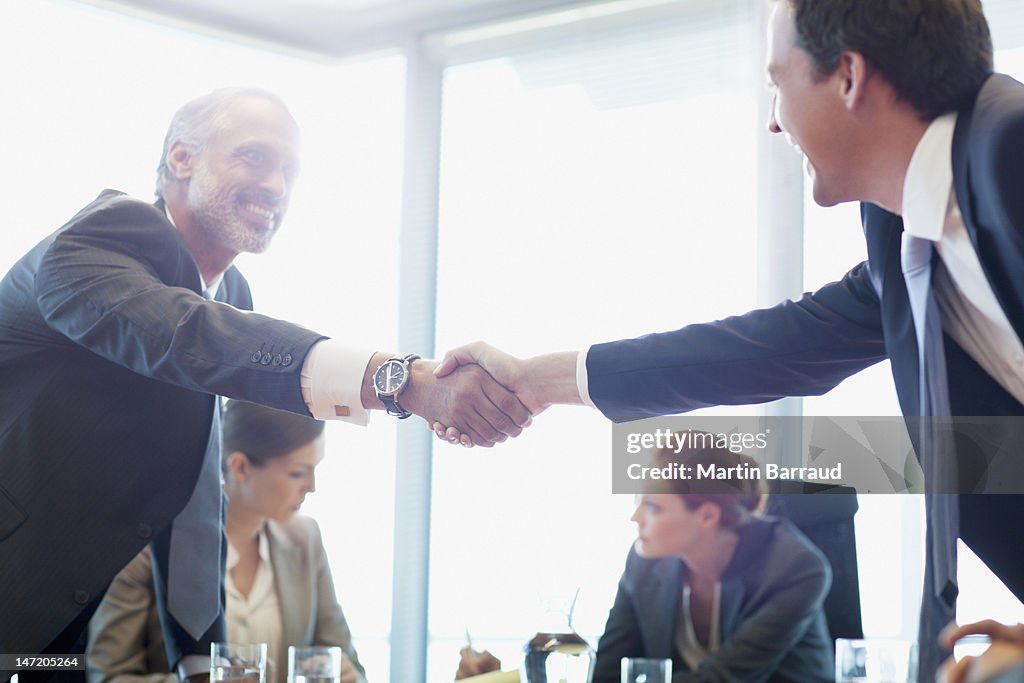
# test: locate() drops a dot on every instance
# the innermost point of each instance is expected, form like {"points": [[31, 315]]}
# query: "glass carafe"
{"points": [[558, 658], [557, 654]]}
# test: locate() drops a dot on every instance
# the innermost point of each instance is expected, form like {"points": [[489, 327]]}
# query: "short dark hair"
{"points": [[736, 497], [935, 53], [264, 433]]}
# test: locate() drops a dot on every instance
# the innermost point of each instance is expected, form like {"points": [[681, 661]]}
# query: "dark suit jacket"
{"points": [[807, 347], [110, 360], [772, 625]]}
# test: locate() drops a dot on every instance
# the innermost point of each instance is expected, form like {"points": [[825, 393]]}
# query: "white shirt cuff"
{"points": [[332, 381], [581, 378]]}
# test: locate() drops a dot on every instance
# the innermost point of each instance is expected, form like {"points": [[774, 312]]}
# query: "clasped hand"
{"points": [[480, 409], [509, 372]]}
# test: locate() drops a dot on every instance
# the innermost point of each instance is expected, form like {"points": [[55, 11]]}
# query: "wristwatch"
{"points": [[389, 380]]}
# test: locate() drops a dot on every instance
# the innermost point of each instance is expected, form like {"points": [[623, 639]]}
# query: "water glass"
{"points": [[314, 664], [973, 645], [875, 661], [642, 670], [238, 663]]}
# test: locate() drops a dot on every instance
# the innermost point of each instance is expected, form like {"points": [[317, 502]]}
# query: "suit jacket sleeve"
{"points": [[797, 348], [112, 283], [331, 625], [125, 645]]}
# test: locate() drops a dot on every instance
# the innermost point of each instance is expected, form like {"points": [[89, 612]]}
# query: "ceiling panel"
{"points": [[330, 27]]}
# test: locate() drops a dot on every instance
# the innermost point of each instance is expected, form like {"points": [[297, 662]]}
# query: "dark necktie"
{"points": [[193, 582], [937, 455]]}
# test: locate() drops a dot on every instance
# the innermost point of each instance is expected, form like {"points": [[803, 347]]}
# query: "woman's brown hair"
{"points": [[738, 496], [264, 433]]}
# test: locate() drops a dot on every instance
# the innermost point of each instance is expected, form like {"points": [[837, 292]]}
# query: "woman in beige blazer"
{"points": [[278, 583]]}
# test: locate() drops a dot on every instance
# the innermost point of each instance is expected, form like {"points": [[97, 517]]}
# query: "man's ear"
{"points": [[180, 160], [852, 76]]}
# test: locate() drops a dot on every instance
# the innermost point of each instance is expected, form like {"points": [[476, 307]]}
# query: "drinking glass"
{"points": [[875, 661], [973, 645], [643, 670], [314, 664], [238, 663]]}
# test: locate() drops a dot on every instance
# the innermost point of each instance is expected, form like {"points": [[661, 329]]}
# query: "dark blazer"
{"points": [[110, 361], [772, 625]]}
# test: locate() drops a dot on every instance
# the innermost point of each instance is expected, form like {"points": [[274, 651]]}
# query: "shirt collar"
{"points": [[232, 558], [929, 180]]}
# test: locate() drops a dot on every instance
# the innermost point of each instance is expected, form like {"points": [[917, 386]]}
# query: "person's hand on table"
{"points": [[473, 663], [349, 674], [1006, 650]]}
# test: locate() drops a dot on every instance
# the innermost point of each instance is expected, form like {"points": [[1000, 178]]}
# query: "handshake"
{"points": [[480, 396]]}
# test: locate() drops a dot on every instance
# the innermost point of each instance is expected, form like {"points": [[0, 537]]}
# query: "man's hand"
{"points": [[538, 382], [507, 369], [473, 663], [1006, 650], [468, 399]]}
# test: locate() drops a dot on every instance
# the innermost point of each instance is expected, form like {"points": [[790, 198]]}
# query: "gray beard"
{"points": [[214, 214]]}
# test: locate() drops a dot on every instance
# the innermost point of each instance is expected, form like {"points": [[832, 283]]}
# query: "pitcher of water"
{"points": [[557, 658], [557, 654]]}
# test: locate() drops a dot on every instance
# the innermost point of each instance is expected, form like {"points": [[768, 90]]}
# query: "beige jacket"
{"points": [[125, 641]]}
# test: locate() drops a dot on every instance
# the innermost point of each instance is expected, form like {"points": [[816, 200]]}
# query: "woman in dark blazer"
{"points": [[726, 594]]}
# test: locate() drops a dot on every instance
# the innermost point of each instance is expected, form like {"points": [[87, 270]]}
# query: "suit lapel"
{"points": [[734, 590], [291, 584], [961, 177], [658, 605], [755, 536], [965, 198], [188, 270]]}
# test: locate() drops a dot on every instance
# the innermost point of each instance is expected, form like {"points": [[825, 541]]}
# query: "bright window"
{"points": [[597, 188]]}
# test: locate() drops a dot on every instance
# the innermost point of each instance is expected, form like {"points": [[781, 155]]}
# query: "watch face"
{"points": [[389, 377]]}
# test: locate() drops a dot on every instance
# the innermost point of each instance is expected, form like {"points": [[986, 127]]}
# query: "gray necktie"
{"points": [[938, 456], [193, 582]]}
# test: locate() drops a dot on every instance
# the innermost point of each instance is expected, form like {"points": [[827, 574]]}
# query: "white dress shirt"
{"points": [[971, 315], [690, 649], [255, 618], [332, 381]]}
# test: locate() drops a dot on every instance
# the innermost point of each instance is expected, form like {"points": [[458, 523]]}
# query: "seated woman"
{"points": [[278, 583], [725, 593]]}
